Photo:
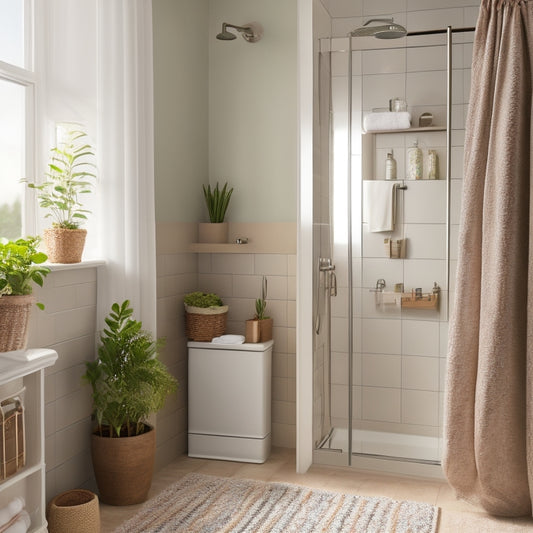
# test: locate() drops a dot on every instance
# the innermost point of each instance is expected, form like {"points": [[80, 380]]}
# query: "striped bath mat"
{"points": [[201, 504]]}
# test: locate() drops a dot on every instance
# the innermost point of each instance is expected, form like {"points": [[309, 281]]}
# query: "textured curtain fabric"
{"points": [[126, 158], [488, 455]]}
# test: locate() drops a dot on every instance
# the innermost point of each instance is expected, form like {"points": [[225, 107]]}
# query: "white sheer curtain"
{"points": [[126, 158]]}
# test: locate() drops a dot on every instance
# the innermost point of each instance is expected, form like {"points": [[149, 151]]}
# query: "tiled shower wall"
{"points": [[400, 356], [237, 278]]}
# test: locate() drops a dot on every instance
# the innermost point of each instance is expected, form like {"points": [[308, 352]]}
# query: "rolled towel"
{"points": [[10, 510], [387, 120], [228, 339], [21, 524]]}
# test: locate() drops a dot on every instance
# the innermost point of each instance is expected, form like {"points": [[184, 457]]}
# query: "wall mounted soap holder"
{"points": [[417, 299]]}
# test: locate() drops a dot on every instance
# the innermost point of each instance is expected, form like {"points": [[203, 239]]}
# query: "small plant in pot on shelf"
{"points": [[21, 265], [205, 316], [217, 201], [69, 176], [259, 328], [128, 384]]}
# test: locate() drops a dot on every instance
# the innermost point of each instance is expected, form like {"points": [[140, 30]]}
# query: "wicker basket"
{"points": [[74, 511], [64, 245], [203, 324], [14, 318], [12, 456]]}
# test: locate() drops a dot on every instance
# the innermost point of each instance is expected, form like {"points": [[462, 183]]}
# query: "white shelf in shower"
{"points": [[408, 130]]}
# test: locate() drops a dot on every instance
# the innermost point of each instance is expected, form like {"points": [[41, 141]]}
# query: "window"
{"points": [[17, 90]]}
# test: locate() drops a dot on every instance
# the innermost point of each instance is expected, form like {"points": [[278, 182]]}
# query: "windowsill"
{"points": [[92, 263]]}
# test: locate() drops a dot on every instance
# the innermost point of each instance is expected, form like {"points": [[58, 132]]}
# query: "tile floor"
{"points": [[455, 516]]}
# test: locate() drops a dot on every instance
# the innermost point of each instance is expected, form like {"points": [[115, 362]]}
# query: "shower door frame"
{"points": [[365, 460]]}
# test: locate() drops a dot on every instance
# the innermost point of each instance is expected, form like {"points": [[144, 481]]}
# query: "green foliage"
{"points": [[128, 381], [20, 265], [260, 308], [11, 220], [202, 299], [217, 201], [67, 177]]}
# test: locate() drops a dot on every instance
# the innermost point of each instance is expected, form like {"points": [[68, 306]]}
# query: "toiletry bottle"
{"points": [[414, 162], [433, 165], [390, 167]]}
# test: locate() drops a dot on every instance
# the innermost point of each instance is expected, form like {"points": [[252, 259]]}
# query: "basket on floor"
{"points": [[203, 324]]}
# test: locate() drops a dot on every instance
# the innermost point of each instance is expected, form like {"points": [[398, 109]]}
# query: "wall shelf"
{"points": [[408, 130]]}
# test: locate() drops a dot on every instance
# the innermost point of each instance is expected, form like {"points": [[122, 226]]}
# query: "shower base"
{"points": [[400, 446]]}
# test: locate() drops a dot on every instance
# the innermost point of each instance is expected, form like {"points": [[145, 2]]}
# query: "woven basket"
{"points": [[203, 324], [64, 245], [74, 511], [14, 318]]}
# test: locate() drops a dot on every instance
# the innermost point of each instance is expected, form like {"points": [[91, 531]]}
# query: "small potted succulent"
{"points": [[69, 176], [217, 201], [205, 316], [259, 328], [21, 265], [129, 383]]}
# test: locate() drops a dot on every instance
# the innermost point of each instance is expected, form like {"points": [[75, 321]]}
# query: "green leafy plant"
{"points": [[128, 381], [217, 201], [260, 308], [202, 299], [67, 178], [20, 266]]}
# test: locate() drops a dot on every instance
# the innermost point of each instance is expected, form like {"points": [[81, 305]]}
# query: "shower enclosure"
{"points": [[383, 298]]}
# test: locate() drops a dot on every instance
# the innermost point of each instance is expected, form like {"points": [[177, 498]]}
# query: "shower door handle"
{"points": [[333, 284]]}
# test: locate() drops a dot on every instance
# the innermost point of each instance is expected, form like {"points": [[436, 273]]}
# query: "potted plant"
{"points": [[128, 384], [21, 265], [259, 328], [217, 201], [205, 316], [68, 177]]}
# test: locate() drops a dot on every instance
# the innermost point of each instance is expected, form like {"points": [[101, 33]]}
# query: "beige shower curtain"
{"points": [[488, 455]]}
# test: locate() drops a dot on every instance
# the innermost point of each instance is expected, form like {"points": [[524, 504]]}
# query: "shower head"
{"points": [[390, 30], [251, 32]]}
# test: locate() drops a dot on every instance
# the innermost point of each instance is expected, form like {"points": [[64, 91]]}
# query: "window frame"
{"points": [[27, 78]]}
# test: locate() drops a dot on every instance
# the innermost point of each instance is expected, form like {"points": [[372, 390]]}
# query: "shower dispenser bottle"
{"points": [[433, 165], [414, 162], [390, 167]]}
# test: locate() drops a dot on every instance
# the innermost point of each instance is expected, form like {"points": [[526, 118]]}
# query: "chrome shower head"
{"points": [[251, 32], [390, 30]]}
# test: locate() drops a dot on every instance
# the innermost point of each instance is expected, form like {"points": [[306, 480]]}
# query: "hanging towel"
{"points": [[228, 339], [380, 204], [388, 120]]}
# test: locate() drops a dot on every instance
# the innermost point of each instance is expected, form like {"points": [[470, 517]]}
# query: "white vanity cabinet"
{"points": [[25, 370]]}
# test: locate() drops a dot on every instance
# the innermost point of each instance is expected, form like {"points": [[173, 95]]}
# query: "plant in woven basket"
{"points": [[217, 202], [205, 316], [70, 175], [128, 381], [21, 266]]}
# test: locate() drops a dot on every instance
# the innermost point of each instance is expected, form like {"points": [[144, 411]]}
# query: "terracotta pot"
{"points": [[213, 232], [14, 318], [64, 245], [75, 510], [123, 467]]}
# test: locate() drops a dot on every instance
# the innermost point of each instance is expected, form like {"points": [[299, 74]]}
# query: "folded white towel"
{"points": [[21, 524], [387, 120], [228, 339], [379, 205], [10, 510]]}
